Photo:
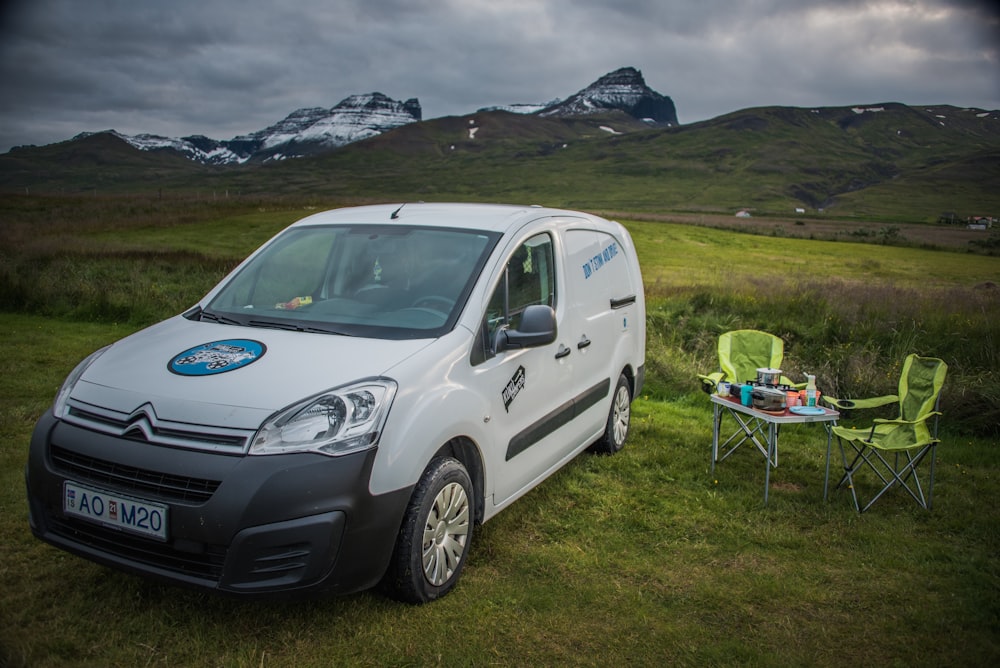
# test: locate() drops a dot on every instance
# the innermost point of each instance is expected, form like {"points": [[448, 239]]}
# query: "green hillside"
{"points": [[886, 161], [100, 162]]}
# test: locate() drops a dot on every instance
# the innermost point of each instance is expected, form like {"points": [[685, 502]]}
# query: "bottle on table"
{"points": [[810, 390]]}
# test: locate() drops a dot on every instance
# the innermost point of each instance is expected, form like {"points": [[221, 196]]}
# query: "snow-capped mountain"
{"points": [[316, 129], [302, 132], [196, 147], [357, 117], [623, 90]]}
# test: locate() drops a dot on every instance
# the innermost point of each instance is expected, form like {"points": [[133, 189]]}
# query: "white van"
{"points": [[349, 403]]}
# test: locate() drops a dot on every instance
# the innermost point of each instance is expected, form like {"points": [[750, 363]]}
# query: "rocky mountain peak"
{"points": [[622, 90], [352, 119], [302, 132]]}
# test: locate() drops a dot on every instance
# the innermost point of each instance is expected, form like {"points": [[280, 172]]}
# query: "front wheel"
{"points": [[616, 430], [436, 534]]}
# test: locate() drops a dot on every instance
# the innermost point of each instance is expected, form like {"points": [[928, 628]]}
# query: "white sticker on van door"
{"points": [[514, 386]]}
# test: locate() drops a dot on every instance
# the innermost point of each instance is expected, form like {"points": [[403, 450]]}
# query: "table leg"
{"points": [[716, 422], [772, 453], [826, 479], [749, 429]]}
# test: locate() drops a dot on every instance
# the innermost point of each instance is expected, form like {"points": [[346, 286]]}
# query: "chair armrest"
{"points": [[923, 418], [789, 383], [710, 382], [856, 404]]}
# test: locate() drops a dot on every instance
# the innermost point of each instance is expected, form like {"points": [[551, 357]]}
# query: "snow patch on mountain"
{"points": [[302, 132], [521, 108], [355, 118]]}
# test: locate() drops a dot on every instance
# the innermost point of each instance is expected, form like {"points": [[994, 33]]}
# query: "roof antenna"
{"points": [[395, 214]]}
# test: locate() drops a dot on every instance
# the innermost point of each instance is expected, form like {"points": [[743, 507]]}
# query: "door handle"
{"points": [[562, 352], [584, 342], [622, 302]]}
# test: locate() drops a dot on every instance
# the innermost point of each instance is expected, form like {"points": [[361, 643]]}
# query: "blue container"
{"points": [[746, 395]]}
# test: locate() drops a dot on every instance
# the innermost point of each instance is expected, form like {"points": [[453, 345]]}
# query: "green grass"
{"points": [[643, 558]]}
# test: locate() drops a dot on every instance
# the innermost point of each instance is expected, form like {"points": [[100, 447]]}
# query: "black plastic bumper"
{"points": [[257, 525]]}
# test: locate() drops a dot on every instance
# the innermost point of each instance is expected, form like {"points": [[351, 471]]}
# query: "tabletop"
{"points": [[784, 417]]}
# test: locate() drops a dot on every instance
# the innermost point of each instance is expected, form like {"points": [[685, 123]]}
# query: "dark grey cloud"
{"points": [[225, 68]]}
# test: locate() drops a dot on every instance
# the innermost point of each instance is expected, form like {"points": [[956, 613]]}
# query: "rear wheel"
{"points": [[619, 417], [436, 534]]}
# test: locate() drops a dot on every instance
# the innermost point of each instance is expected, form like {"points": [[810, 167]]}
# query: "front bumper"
{"points": [[240, 524]]}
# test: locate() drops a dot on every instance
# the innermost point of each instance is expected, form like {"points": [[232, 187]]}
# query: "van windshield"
{"points": [[391, 282]]}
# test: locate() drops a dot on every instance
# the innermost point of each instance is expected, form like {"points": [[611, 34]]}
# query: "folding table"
{"points": [[756, 425]]}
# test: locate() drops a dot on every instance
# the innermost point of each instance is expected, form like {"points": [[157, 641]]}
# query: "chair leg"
{"points": [[849, 469], [930, 486], [891, 473]]}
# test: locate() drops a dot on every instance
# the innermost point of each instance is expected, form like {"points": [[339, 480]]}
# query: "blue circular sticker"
{"points": [[217, 357]]}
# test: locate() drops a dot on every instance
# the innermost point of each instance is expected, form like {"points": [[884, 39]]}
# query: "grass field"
{"points": [[643, 558]]}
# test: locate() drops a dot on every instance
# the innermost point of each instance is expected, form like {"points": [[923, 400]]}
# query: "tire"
{"points": [[436, 535], [619, 418]]}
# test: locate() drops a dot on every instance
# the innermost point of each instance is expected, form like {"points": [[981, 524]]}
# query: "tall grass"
{"points": [[852, 336], [847, 312], [133, 260], [135, 287]]}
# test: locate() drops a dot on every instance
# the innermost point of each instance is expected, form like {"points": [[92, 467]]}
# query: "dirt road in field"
{"points": [[808, 227]]}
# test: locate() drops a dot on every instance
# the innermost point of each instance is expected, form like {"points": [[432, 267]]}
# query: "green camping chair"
{"points": [[741, 353], [893, 449]]}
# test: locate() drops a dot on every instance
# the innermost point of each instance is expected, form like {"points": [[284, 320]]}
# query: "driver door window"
{"points": [[528, 278]]}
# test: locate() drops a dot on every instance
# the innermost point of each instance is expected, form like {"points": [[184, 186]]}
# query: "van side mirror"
{"points": [[538, 327]]}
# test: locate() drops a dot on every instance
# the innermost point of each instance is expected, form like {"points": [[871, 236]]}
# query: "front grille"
{"points": [[142, 481], [143, 424], [206, 563]]}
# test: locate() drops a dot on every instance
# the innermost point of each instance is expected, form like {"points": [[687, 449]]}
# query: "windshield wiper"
{"points": [[324, 330], [292, 327], [215, 317], [271, 324]]}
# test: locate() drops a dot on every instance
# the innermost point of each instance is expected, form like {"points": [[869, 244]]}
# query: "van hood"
{"points": [[231, 376]]}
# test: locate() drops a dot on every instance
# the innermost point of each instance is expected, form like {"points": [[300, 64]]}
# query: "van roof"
{"points": [[487, 217]]}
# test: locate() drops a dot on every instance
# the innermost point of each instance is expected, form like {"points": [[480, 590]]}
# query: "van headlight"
{"points": [[337, 422], [59, 405]]}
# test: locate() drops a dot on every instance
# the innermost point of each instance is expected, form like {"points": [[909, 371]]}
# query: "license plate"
{"points": [[115, 511]]}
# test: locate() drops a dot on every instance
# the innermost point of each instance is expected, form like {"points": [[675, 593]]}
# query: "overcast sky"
{"points": [[224, 68]]}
